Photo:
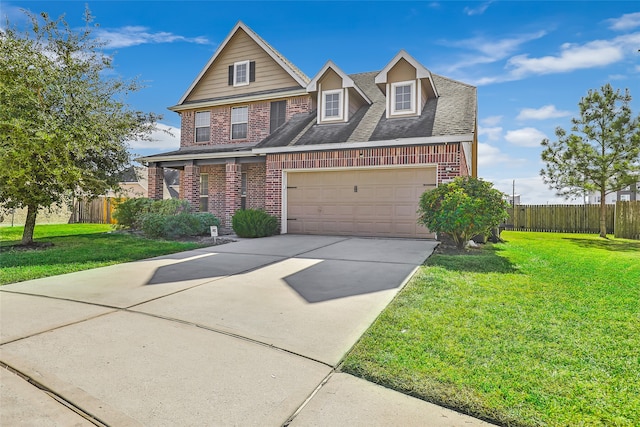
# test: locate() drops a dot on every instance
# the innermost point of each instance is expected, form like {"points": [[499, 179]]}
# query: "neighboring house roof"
{"points": [[294, 71], [451, 114]]}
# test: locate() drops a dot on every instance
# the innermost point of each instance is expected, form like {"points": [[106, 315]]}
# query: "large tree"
{"points": [[602, 153], [64, 121]]}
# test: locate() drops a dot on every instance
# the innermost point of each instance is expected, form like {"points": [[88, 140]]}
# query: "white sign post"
{"points": [[214, 233]]}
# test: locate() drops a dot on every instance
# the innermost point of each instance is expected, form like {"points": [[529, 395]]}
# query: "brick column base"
{"points": [[190, 186], [233, 182], [155, 176]]}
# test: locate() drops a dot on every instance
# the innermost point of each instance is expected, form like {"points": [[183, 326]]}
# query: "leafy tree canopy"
{"points": [[601, 154], [64, 122], [463, 208]]}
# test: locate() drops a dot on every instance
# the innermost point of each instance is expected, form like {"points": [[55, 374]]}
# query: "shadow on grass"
{"points": [[484, 260], [606, 244]]}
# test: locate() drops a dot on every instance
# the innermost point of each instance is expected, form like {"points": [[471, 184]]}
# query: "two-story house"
{"points": [[333, 154]]}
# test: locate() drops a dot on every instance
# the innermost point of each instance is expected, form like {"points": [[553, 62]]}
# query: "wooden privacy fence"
{"points": [[627, 220], [622, 219], [97, 211]]}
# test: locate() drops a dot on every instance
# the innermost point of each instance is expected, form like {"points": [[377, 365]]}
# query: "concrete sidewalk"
{"points": [[247, 333]]}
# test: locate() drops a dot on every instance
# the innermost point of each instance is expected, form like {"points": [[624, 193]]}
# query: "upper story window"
{"points": [[332, 105], [203, 126], [239, 122], [403, 99], [278, 115], [242, 73]]}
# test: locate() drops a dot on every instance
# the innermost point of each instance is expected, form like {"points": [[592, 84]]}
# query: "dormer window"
{"points": [[241, 73], [332, 108], [403, 98]]}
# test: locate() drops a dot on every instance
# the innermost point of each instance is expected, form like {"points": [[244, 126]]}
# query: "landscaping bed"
{"points": [[541, 330]]}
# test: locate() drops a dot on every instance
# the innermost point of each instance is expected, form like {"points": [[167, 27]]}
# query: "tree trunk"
{"points": [[603, 214], [29, 225]]}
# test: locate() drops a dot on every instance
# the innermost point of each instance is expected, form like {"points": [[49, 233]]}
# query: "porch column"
{"points": [[233, 181], [155, 185], [190, 186]]}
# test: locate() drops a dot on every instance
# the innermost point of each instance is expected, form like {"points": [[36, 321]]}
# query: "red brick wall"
{"points": [[190, 186], [256, 174], [155, 182], [446, 156], [258, 126], [232, 193]]}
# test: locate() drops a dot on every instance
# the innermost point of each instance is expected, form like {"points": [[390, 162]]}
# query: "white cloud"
{"points": [[478, 10], [625, 22], [160, 139], [489, 50], [492, 133], [572, 57], [525, 137], [542, 113], [490, 157], [491, 120], [135, 35]]}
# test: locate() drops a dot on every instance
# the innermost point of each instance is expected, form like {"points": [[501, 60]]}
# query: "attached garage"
{"points": [[380, 202]]}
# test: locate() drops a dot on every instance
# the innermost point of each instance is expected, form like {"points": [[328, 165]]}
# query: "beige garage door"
{"points": [[360, 202]]}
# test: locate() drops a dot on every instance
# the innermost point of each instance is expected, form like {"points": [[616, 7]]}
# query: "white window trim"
{"points": [[238, 123], [195, 127], [323, 112], [392, 100], [204, 196], [235, 73]]}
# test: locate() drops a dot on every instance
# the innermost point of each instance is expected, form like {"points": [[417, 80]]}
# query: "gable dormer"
{"points": [[242, 66], [407, 85], [337, 96]]}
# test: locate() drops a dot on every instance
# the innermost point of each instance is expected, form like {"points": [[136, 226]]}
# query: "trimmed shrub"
{"points": [[153, 225], [254, 223], [170, 206]]}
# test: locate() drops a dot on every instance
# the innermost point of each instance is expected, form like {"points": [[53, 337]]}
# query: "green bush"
{"points": [[129, 213], [463, 208], [156, 225], [170, 206], [254, 223], [206, 220]]}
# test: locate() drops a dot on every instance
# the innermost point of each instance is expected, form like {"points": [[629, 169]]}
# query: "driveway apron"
{"points": [[246, 333]]}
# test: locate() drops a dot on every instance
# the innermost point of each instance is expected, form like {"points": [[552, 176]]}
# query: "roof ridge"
{"points": [[293, 67]]}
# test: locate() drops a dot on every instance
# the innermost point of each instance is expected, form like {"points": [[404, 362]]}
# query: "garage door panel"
{"points": [[385, 203]]}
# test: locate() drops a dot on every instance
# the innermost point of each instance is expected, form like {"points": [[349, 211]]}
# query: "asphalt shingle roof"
{"points": [[452, 113]]}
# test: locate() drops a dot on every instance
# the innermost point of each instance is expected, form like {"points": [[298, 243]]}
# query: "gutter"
{"points": [[367, 144]]}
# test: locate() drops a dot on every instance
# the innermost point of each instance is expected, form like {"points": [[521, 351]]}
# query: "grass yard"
{"points": [[541, 330], [75, 247]]}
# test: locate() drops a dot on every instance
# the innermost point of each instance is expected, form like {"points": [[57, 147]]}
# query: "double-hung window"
{"points": [[403, 98], [241, 73], [203, 126], [239, 122], [332, 105]]}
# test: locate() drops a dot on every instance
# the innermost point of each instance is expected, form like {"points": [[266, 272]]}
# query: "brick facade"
{"points": [[447, 157], [258, 125], [233, 201], [155, 182], [256, 180], [190, 186]]}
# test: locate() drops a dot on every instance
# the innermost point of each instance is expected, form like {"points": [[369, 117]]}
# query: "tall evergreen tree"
{"points": [[602, 153], [64, 123]]}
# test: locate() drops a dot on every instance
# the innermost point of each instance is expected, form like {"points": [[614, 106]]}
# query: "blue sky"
{"points": [[531, 61]]}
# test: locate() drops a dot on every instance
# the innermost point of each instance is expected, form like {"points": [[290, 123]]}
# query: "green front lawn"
{"points": [[541, 330], [75, 247]]}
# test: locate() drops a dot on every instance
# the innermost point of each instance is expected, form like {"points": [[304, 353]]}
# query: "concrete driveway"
{"points": [[247, 333]]}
